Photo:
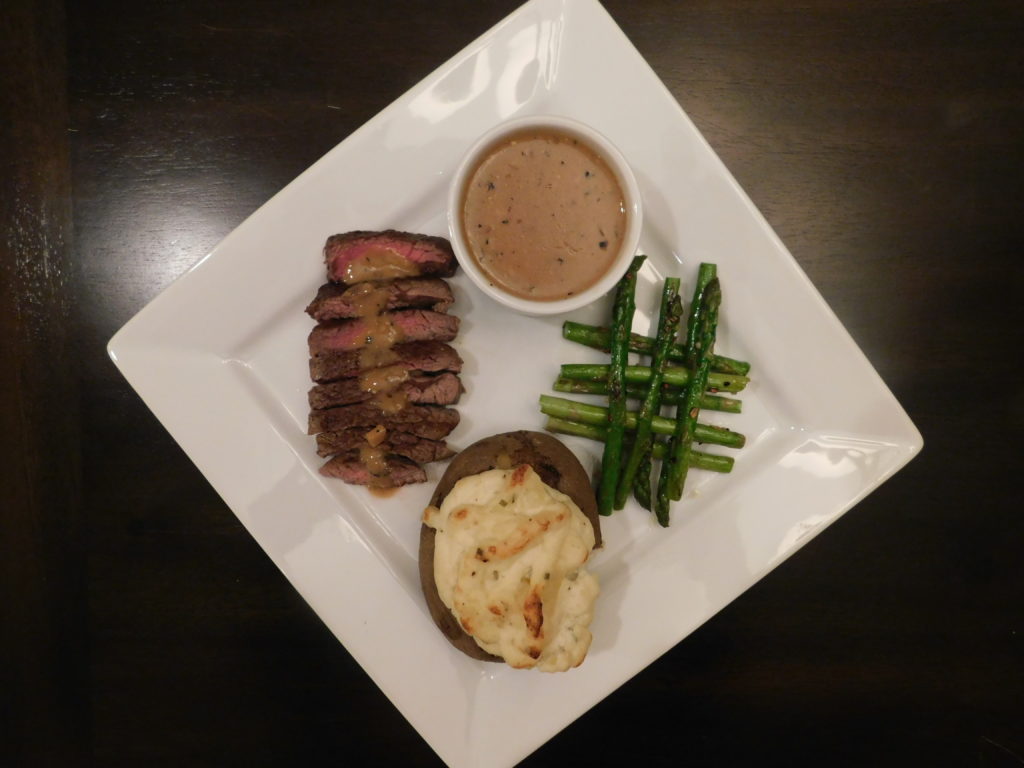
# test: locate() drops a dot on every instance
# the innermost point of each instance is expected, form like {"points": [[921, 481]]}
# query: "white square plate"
{"points": [[220, 357]]}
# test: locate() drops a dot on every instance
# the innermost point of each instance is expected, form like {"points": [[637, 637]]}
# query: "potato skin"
{"points": [[551, 460]]}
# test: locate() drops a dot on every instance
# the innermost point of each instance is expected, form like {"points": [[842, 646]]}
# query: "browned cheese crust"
{"points": [[551, 460]]}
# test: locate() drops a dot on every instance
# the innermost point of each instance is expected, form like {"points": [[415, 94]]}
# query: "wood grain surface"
{"points": [[141, 625]]}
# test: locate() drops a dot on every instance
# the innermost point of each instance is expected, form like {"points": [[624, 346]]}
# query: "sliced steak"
{"points": [[429, 421], [335, 302], [426, 356], [400, 471], [443, 389], [347, 442], [356, 257], [384, 330]]}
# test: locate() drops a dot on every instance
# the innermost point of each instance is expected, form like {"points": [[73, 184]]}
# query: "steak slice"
{"points": [[400, 471], [426, 356], [391, 327], [347, 442], [356, 257], [443, 389], [428, 421], [335, 302]]}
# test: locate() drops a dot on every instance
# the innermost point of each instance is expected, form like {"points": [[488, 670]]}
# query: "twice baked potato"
{"points": [[557, 468]]}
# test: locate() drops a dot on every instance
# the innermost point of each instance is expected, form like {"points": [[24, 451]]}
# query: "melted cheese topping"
{"points": [[508, 557]]}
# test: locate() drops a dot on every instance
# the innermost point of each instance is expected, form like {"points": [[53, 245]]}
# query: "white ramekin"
{"points": [[608, 152]]}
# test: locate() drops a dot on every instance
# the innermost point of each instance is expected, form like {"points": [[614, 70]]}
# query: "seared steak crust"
{"points": [[336, 302], [405, 324], [423, 255], [424, 389], [426, 356], [400, 471], [382, 314], [428, 421], [347, 442]]}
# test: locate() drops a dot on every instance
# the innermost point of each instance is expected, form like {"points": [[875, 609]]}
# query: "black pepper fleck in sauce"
{"points": [[544, 215]]}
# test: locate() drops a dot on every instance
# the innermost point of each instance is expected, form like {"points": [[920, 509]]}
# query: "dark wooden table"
{"points": [[141, 625]]}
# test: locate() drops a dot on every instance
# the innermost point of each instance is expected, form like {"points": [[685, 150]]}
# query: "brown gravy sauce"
{"points": [[371, 357], [381, 336], [379, 377], [378, 264], [376, 462], [376, 436], [368, 298], [373, 457], [384, 383], [384, 379], [390, 402], [544, 215]]}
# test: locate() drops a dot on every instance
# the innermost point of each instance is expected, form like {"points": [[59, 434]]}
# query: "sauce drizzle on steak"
{"points": [[337, 302], [378, 356]]}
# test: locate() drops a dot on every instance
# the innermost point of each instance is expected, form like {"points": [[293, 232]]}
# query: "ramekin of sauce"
{"points": [[544, 214]]}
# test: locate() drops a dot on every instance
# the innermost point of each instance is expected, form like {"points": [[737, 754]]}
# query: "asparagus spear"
{"points": [[597, 415], [674, 468], [667, 480], [600, 338], [668, 322], [642, 480], [669, 396], [698, 460], [638, 374], [705, 274], [622, 323]]}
